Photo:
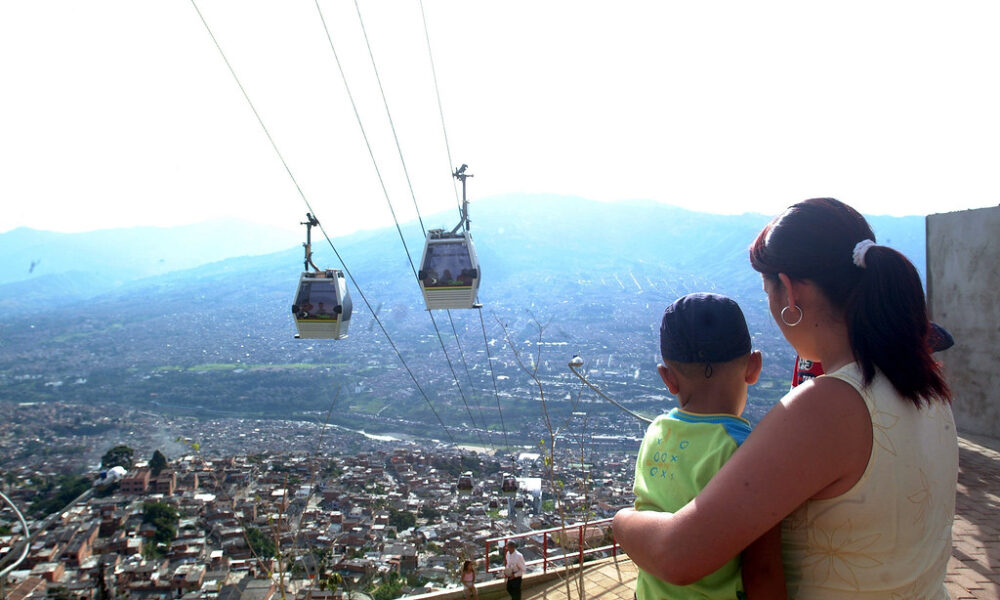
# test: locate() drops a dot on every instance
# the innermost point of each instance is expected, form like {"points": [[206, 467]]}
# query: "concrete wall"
{"points": [[963, 290]]}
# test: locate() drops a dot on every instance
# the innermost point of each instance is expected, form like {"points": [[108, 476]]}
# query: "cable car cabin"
{"points": [[322, 307], [449, 271], [465, 484], [509, 485]]}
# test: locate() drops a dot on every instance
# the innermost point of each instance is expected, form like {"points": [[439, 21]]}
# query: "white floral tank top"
{"points": [[888, 537]]}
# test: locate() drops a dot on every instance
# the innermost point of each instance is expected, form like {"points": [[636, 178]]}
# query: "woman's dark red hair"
{"points": [[882, 303]]}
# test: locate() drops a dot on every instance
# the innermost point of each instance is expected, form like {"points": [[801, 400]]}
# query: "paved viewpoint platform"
{"points": [[974, 570]]}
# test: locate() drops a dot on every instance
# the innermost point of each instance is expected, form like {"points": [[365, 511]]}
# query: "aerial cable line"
{"points": [[385, 192], [392, 125], [437, 93], [461, 353], [496, 394], [409, 182], [447, 146], [309, 206]]}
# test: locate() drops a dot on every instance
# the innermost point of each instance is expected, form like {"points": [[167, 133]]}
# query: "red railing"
{"points": [[548, 544]]}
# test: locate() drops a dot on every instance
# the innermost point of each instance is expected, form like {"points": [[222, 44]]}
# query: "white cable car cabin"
{"points": [[509, 485], [322, 307], [449, 270], [465, 484]]}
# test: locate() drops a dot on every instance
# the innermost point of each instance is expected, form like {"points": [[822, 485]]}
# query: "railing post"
{"points": [[545, 553], [581, 544], [487, 556]]}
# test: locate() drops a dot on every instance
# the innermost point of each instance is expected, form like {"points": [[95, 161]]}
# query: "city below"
{"points": [[240, 508]]}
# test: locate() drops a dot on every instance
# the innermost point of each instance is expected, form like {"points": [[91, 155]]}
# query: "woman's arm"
{"points": [[815, 443], [763, 572]]}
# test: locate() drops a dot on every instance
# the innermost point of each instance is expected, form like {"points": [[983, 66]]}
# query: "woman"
{"points": [[860, 464], [468, 578]]}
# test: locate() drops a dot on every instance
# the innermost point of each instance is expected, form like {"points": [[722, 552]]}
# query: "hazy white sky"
{"points": [[120, 113]]}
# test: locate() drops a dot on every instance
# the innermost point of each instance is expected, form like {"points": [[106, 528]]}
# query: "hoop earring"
{"points": [[785, 321]]}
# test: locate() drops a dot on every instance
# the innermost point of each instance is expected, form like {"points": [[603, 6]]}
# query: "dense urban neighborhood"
{"points": [[289, 508]]}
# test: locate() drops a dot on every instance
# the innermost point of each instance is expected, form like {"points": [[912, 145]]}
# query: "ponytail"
{"points": [[888, 327], [877, 289]]}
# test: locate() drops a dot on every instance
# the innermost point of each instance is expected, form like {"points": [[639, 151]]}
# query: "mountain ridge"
{"points": [[577, 276]]}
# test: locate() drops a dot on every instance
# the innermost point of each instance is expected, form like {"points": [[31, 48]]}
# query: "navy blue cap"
{"points": [[703, 328]]}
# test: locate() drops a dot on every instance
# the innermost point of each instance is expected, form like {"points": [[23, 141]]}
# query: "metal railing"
{"points": [[549, 544], [25, 539]]}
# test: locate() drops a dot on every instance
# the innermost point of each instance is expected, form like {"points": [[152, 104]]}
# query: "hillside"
{"points": [[217, 339]]}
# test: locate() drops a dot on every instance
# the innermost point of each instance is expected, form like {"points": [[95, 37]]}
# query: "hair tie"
{"points": [[860, 249]]}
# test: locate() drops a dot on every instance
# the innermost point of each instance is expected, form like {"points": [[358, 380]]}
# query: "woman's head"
{"points": [[467, 565], [874, 290]]}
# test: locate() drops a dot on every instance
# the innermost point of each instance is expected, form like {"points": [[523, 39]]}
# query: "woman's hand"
{"points": [[636, 531]]}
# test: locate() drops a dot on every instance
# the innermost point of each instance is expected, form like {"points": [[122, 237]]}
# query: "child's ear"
{"points": [[754, 365], [669, 378]]}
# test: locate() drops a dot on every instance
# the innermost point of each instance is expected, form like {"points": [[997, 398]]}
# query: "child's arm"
{"points": [[763, 571]]}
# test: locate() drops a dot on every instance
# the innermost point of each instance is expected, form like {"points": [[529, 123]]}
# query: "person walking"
{"points": [[468, 578], [514, 571]]}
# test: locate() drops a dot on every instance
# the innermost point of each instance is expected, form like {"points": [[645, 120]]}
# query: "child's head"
{"points": [[706, 352]]}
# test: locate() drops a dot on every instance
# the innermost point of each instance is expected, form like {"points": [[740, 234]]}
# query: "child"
{"points": [[468, 578], [708, 364]]}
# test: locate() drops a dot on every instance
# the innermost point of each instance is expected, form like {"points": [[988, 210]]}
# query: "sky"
{"points": [[123, 113]]}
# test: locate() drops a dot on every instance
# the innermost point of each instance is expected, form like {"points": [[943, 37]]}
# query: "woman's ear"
{"points": [[787, 289]]}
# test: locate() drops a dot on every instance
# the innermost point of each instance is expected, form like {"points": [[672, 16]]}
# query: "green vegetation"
{"points": [[157, 463], [262, 545], [215, 367], [390, 587], [233, 366], [402, 519], [56, 495], [164, 518], [119, 456]]}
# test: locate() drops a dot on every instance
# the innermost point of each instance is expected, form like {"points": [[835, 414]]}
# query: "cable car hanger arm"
{"points": [[461, 175]]}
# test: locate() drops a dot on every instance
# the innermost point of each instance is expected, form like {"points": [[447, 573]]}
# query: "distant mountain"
{"points": [[114, 256], [217, 338]]}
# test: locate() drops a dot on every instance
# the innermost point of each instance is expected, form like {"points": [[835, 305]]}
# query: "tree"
{"points": [[164, 518], [390, 588], [119, 456], [262, 545], [157, 463], [429, 512], [402, 519]]}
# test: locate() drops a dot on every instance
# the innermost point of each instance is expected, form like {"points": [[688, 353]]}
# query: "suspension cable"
{"points": [[392, 125], [437, 93], [322, 230], [447, 146], [496, 394], [385, 192], [461, 353]]}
